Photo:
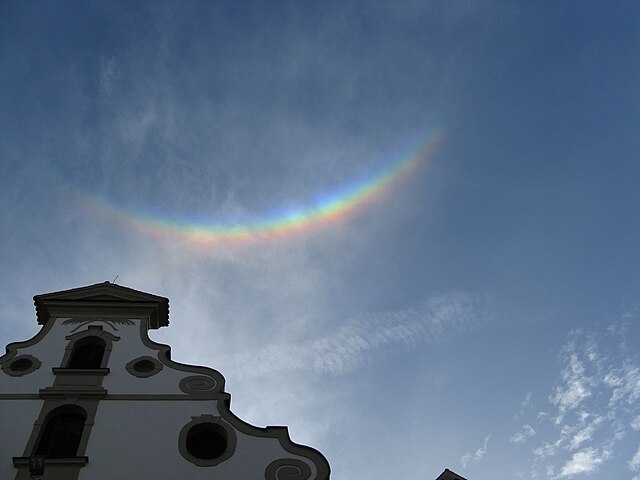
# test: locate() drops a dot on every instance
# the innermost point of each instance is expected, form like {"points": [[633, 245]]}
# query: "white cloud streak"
{"points": [[477, 455], [108, 74], [594, 405], [526, 432], [575, 388], [360, 340], [583, 435], [625, 384], [584, 461], [634, 463]]}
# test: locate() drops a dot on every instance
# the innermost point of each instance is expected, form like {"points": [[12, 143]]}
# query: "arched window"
{"points": [[87, 353], [62, 432]]}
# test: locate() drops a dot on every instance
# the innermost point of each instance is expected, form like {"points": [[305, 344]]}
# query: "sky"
{"points": [[408, 230]]}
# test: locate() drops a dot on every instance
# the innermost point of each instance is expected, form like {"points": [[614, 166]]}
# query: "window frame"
{"points": [[231, 439], [92, 331], [48, 430]]}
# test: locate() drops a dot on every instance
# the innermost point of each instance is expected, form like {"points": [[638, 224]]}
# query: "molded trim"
{"points": [[106, 299], [164, 356], [282, 434], [198, 385], [207, 419], [63, 468], [285, 468], [72, 392], [87, 404], [35, 364], [91, 331], [24, 461], [19, 396], [130, 367], [221, 397], [12, 348], [198, 391], [80, 371]]}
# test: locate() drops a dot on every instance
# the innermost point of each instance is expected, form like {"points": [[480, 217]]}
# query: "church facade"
{"points": [[92, 396]]}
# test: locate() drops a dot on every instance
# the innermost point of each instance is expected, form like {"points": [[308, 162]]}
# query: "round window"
{"points": [[207, 441]]}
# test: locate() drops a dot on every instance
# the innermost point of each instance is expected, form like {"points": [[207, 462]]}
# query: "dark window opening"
{"points": [[87, 353], [61, 434], [206, 441], [144, 366], [21, 365]]}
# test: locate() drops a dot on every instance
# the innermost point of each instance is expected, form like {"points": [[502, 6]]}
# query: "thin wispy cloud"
{"points": [[476, 456], [525, 406], [525, 432], [593, 407], [584, 461], [584, 435], [575, 386], [624, 383], [109, 73], [634, 463], [365, 339]]}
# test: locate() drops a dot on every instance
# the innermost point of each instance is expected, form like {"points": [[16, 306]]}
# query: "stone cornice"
{"points": [[105, 300]]}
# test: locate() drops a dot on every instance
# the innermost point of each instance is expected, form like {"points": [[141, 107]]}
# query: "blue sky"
{"points": [[481, 316]]}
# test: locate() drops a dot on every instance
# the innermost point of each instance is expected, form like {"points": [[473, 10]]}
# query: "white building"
{"points": [[91, 396]]}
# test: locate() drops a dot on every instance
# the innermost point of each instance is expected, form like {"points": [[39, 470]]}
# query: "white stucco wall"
{"points": [[50, 351], [16, 423], [139, 439], [137, 425]]}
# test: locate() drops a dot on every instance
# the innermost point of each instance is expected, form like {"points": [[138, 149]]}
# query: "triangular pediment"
{"points": [[449, 475], [114, 298], [102, 292]]}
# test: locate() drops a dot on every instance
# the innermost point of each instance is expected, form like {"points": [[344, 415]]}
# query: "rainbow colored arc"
{"points": [[330, 209]]}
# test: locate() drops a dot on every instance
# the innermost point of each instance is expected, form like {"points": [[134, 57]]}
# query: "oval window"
{"points": [[21, 365], [144, 366]]}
